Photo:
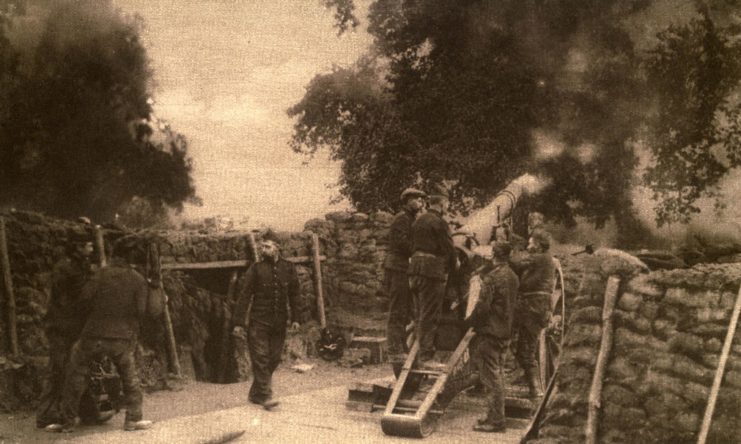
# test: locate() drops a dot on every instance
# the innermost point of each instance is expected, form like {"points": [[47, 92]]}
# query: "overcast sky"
{"points": [[226, 71]]}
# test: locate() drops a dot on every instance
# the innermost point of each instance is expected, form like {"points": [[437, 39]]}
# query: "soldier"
{"points": [[535, 222], [117, 298], [537, 276], [492, 320], [271, 285], [63, 323], [432, 259], [395, 267]]}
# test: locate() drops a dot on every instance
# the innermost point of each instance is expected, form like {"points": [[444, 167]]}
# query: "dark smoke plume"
{"points": [[77, 128]]}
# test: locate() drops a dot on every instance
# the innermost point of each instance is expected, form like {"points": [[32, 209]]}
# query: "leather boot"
{"points": [[533, 383]]}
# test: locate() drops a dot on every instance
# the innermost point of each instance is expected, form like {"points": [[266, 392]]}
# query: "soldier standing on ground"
{"points": [[432, 259], [492, 320], [271, 285], [537, 277], [63, 322], [118, 299], [396, 281]]}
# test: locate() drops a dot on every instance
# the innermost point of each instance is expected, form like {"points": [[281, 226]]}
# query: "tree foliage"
{"points": [[81, 138], [480, 92]]}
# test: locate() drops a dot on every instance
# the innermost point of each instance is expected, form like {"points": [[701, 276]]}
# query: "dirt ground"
{"points": [[199, 397]]}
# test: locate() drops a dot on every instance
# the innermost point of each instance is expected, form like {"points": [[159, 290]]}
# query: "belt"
{"points": [[424, 254]]}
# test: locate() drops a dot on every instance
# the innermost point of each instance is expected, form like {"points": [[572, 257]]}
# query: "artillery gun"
{"points": [[420, 395]]}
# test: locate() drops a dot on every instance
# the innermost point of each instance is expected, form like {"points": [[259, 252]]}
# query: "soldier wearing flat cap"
{"points": [[433, 257], [395, 267], [271, 286]]}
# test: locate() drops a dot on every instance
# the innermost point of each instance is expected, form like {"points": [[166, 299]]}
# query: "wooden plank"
{"points": [[156, 258], [241, 263], [595, 391], [318, 280], [710, 408], [8, 283]]}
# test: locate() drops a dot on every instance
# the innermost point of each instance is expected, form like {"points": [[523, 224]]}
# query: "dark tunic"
{"points": [[496, 302], [64, 315], [537, 272], [117, 300], [269, 288], [431, 237], [400, 241]]}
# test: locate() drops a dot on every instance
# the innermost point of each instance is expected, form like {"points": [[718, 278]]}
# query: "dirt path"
{"points": [[199, 397]]}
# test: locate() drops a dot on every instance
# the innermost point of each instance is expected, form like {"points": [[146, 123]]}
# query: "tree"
{"points": [[82, 139], [481, 92]]}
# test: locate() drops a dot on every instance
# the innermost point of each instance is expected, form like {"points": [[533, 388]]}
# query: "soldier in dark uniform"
{"points": [[537, 276], [492, 320], [432, 259], [396, 281], [64, 323], [117, 300], [271, 285]]}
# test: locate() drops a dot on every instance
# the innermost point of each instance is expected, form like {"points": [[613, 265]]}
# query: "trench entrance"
{"points": [[204, 320]]}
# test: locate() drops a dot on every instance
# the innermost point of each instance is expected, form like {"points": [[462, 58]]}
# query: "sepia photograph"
{"points": [[370, 221]]}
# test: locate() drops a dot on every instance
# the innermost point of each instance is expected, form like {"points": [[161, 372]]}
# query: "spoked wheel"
{"points": [[550, 342]]}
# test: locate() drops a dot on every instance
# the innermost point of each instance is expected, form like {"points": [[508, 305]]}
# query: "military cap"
{"points": [[412, 192], [441, 191], [269, 236], [542, 238]]}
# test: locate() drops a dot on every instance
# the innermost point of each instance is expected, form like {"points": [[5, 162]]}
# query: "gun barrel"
{"points": [[482, 221]]}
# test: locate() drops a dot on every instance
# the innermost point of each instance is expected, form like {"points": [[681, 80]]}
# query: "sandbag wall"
{"points": [[669, 328]]}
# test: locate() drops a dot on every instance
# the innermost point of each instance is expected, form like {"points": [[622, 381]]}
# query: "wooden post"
{"points": [[100, 244], [8, 282], [226, 327], [710, 409], [171, 345], [595, 392], [318, 280]]}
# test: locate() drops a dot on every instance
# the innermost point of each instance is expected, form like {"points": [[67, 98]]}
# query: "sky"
{"points": [[226, 71]]}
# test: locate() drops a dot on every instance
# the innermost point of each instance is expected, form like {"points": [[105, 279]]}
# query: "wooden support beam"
{"points": [[318, 280], [241, 263], [605, 350], [156, 259], [710, 408], [8, 285]]}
